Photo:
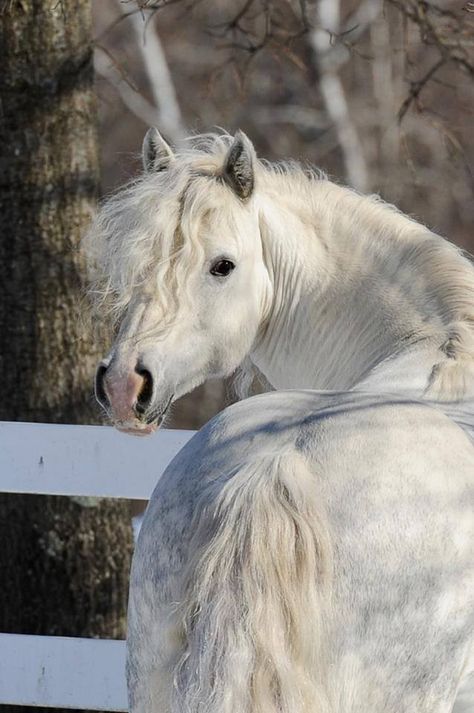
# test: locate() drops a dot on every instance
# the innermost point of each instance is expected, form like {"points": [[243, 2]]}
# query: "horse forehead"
{"points": [[188, 200], [205, 192]]}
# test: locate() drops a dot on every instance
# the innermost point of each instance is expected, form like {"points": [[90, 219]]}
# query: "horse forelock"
{"points": [[148, 233]]}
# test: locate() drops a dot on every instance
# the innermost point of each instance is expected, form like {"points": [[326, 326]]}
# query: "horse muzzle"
{"points": [[127, 395]]}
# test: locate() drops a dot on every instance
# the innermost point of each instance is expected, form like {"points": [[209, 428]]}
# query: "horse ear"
{"points": [[156, 153], [239, 166]]}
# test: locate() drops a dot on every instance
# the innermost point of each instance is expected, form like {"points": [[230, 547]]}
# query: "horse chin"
{"points": [[138, 428]]}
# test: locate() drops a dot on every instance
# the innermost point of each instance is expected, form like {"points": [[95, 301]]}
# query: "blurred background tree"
{"points": [[64, 561]]}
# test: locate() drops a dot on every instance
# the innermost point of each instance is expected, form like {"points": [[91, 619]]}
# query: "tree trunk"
{"points": [[64, 562]]}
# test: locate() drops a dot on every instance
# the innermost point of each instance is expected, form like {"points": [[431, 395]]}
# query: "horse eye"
{"points": [[222, 268]]}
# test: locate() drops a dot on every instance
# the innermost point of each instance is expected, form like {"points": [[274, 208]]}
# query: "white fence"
{"points": [[53, 671]]}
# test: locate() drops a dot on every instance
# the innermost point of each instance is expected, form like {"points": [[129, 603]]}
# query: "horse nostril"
{"points": [[100, 393], [146, 390]]}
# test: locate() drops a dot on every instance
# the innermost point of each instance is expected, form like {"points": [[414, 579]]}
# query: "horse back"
{"points": [[391, 488]]}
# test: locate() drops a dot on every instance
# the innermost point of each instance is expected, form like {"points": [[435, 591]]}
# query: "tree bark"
{"points": [[64, 562]]}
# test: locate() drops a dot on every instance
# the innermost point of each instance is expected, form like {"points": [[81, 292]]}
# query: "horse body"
{"points": [[306, 551]]}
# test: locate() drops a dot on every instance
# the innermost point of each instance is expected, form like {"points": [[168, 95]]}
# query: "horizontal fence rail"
{"points": [[57, 672], [95, 461], [88, 461]]}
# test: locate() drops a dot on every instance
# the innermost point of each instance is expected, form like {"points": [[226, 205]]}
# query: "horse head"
{"points": [[177, 265]]}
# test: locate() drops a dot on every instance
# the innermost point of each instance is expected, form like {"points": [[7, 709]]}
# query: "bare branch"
{"points": [[109, 69], [327, 58], [168, 113], [450, 32], [416, 88]]}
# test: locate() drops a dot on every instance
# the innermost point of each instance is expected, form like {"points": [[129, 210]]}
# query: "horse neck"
{"points": [[359, 292]]}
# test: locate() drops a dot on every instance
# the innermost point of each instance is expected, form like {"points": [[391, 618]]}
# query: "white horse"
{"points": [[306, 551]]}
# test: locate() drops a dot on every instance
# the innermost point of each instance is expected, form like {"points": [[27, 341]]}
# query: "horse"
{"points": [[312, 549]]}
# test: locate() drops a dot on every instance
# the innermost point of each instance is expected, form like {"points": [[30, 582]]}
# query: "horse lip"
{"points": [[143, 430]]}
